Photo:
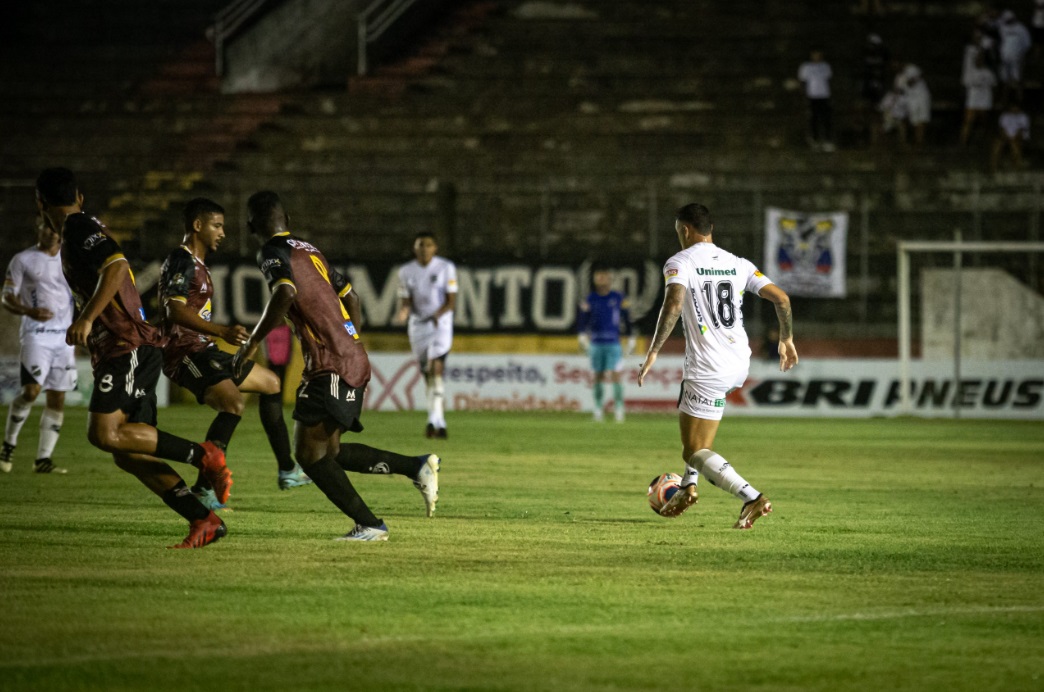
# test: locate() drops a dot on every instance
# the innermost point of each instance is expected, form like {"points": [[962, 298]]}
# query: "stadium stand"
{"points": [[521, 129]]}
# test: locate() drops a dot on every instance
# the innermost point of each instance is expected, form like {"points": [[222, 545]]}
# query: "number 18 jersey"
{"points": [[715, 280]]}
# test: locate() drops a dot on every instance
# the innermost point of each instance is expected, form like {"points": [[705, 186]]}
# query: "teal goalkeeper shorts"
{"points": [[606, 357]]}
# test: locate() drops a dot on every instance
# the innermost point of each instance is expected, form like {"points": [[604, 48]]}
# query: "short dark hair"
{"points": [[424, 234], [57, 187], [200, 208], [697, 216], [262, 207]]}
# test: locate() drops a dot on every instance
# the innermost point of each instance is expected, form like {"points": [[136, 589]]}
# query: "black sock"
{"points": [[174, 448], [221, 430], [181, 500], [334, 483], [362, 459], [270, 406]]}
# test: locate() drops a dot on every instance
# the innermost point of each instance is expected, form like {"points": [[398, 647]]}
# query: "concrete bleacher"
{"points": [[126, 96], [556, 133]]}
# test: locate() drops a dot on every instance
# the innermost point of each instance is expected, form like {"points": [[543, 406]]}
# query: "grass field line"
{"points": [[334, 646]]}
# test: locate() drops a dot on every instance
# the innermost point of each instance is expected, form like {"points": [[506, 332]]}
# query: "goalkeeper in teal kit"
{"points": [[603, 320]]}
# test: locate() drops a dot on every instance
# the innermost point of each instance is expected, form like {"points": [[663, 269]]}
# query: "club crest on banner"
{"points": [[805, 252]]}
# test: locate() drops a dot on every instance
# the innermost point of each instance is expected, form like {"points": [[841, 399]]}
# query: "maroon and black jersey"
{"points": [[185, 279], [87, 249], [328, 337]]}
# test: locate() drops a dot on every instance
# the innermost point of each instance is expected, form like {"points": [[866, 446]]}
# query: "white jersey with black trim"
{"points": [[715, 281], [427, 287], [36, 278]]}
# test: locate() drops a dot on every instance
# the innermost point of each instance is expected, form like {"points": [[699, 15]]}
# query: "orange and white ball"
{"points": [[662, 489]]}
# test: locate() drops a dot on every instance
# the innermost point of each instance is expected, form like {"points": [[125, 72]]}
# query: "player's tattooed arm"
{"points": [[788, 356], [669, 314]]}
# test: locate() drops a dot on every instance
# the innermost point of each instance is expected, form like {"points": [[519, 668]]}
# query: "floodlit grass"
{"points": [[902, 555]]}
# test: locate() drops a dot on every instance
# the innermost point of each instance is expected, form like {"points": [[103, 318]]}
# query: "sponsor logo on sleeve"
{"points": [[93, 240], [269, 263]]}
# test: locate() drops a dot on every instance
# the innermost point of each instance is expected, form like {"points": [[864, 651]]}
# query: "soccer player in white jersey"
{"points": [[35, 289], [706, 285], [428, 289]]}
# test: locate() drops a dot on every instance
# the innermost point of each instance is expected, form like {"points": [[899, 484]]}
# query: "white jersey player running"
{"points": [[705, 286], [35, 289], [428, 289]]}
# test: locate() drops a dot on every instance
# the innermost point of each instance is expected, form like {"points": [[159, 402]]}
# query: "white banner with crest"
{"points": [[805, 252]]}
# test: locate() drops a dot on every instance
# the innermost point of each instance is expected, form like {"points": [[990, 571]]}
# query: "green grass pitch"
{"points": [[902, 555]]}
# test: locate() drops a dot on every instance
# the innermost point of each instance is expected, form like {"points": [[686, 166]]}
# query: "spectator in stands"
{"points": [[1015, 42], [893, 111], [980, 44], [1037, 26], [918, 101], [816, 74], [989, 23], [979, 82], [1013, 130], [873, 81]]}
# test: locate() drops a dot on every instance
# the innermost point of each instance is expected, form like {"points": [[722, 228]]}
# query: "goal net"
{"points": [[971, 329]]}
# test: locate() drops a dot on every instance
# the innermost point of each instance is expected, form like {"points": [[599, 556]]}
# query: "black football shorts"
{"points": [[326, 397], [128, 383]]}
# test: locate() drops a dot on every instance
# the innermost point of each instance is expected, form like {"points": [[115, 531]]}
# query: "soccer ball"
{"points": [[662, 489]]}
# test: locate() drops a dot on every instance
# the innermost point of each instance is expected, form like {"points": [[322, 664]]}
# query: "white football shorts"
{"points": [[705, 398], [429, 341], [51, 364]]}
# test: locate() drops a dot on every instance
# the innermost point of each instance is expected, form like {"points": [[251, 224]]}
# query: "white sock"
{"points": [[16, 416], [437, 399], [50, 426], [721, 475], [429, 388], [691, 477]]}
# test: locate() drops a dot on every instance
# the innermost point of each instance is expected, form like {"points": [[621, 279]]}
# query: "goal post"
{"points": [[957, 248]]}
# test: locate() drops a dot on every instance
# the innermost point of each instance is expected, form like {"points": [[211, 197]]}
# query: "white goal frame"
{"points": [[957, 248]]}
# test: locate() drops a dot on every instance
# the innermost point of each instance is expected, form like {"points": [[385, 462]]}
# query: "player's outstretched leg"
{"points": [[17, 414], [45, 465], [334, 482], [426, 480], [204, 526], [203, 532], [686, 497], [50, 427], [751, 511], [270, 408], [228, 402], [721, 474], [317, 449], [423, 470]]}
